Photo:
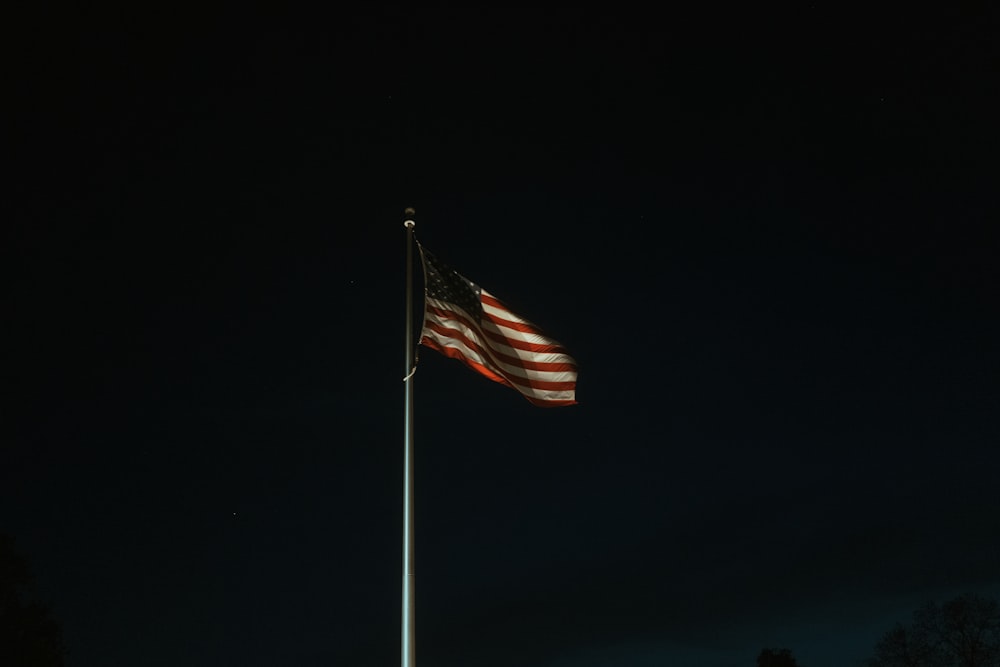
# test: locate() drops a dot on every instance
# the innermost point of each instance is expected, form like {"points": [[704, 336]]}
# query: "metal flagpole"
{"points": [[409, 650]]}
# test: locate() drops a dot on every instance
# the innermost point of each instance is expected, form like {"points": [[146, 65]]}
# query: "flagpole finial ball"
{"points": [[409, 214]]}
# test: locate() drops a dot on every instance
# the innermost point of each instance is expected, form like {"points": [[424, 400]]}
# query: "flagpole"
{"points": [[408, 639]]}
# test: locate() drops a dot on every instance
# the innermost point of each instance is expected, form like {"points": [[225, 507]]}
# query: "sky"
{"points": [[768, 239]]}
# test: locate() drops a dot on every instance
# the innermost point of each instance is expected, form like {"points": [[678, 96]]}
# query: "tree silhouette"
{"points": [[29, 637], [964, 632], [776, 658]]}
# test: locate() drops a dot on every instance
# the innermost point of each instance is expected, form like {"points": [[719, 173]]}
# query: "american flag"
{"points": [[465, 322]]}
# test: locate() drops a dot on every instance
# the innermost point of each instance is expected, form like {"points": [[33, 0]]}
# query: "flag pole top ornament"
{"points": [[408, 216]]}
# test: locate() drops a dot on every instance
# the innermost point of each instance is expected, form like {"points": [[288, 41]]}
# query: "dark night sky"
{"points": [[769, 239]]}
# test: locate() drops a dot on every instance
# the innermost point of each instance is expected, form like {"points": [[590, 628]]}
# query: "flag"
{"points": [[465, 322]]}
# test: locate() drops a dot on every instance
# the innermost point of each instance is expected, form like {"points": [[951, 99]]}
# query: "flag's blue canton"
{"points": [[446, 284]]}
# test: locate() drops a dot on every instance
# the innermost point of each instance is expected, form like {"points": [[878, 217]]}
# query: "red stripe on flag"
{"points": [[459, 336], [453, 353], [545, 366], [498, 356], [494, 334], [516, 326], [509, 377]]}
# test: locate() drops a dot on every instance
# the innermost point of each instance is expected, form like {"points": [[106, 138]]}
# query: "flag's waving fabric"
{"points": [[465, 322]]}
